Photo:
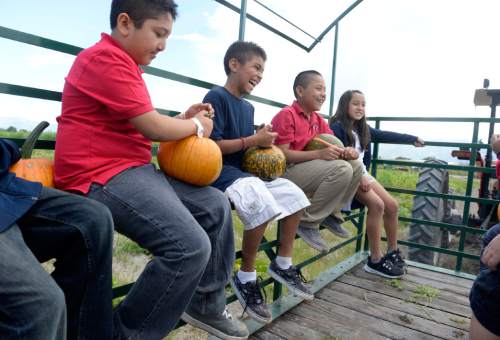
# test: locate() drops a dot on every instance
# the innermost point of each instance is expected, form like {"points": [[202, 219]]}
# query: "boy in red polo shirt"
{"points": [[103, 151], [332, 180]]}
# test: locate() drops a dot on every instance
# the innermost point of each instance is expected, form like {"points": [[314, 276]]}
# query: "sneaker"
{"points": [[397, 259], [335, 227], [292, 278], [222, 326], [250, 296], [312, 237], [384, 268]]}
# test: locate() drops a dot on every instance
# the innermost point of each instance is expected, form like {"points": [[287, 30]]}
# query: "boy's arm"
{"points": [[264, 137], [491, 254], [160, 128]]}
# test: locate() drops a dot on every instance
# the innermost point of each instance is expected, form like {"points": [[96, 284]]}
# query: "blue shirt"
{"points": [[233, 120], [17, 195]]}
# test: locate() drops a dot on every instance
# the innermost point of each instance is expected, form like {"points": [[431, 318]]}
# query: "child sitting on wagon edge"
{"points": [[257, 202], [349, 124], [103, 151], [331, 180]]}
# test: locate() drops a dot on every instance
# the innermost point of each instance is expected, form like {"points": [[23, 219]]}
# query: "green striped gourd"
{"points": [[314, 144]]}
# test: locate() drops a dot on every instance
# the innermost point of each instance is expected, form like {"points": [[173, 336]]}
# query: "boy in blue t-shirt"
{"points": [[257, 202]]}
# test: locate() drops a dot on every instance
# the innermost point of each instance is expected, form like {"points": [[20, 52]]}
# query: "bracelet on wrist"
{"points": [[243, 146]]}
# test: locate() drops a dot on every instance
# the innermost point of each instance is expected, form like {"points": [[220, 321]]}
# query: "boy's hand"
{"points": [[365, 184], [331, 153], [350, 153], [265, 136], [197, 108], [419, 142], [207, 123], [491, 254]]}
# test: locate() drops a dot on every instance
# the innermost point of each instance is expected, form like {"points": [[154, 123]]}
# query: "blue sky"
{"points": [[410, 57]]}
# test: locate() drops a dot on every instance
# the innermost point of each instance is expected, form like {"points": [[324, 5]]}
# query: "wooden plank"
{"points": [[265, 335], [358, 272], [446, 291], [367, 297], [445, 278], [323, 313], [411, 320], [380, 285]]}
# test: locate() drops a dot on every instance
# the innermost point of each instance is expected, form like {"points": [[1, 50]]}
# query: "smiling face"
{"points": [[312, 96], [357, 106], [144, 43], [245, 77]]}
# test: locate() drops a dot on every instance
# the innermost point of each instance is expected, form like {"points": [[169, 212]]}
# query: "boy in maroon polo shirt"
{"points": [[103, 151], [325, 173]]}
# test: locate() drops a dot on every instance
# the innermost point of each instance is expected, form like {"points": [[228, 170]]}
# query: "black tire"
{"points": [[431, 209]]}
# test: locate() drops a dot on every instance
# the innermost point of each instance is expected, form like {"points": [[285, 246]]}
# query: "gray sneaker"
{"points": [[331, 224], [312, 237], [222, 326]]}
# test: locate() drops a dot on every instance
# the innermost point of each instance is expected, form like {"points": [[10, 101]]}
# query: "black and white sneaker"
{"points": [[396, 258], [385, 268], [250, 296], [292, 278]]}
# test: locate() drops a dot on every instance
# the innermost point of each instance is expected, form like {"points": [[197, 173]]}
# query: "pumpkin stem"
{"points": [[29, 143]]}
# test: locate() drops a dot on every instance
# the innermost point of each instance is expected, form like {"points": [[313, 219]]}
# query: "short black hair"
{"points": [[303, 79], [141, 10], [242, 51]]}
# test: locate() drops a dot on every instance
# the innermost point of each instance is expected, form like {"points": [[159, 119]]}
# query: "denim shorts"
{"points": [[485, 300]]}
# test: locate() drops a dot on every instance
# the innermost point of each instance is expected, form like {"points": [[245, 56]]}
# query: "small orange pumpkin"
{"points": [[34, 169], [195, 160]]}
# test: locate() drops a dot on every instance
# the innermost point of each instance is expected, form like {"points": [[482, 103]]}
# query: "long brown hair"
{"points": [[360, 126]]}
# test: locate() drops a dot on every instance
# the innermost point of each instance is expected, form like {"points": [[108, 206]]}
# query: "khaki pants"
{"points": [[331, 183]]}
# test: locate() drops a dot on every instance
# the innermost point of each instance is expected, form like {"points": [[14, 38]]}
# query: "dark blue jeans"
{"points": [[485, 292], [189, 232], [77, 232]]}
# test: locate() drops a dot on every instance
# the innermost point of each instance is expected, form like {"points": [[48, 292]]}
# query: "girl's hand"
{"points": [[197, 108], [350, 153], [495, 143], [491, 254], [419, 142], [365, 184]]}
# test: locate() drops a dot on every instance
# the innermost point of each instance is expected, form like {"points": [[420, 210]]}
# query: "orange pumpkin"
{"points": [[195, 160], [34, 169]]}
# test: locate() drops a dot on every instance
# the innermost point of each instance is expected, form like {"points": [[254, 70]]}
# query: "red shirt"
{"points": [[295, 128], [95, 141]]}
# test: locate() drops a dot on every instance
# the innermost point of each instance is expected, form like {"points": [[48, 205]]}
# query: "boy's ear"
{"points": [[234, 64], [124, 24], [299, 90]]}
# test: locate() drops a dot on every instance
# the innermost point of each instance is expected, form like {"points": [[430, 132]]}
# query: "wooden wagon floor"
{"points": [[358, 305]]}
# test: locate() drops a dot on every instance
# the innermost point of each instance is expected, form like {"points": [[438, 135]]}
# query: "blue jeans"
{"points": [[189, 232], [75, 300], [485, 292]]}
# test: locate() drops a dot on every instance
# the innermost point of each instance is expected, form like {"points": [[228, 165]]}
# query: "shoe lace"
{"points": [[226, 314], [396, 257], [296, 274], [254, 294]]}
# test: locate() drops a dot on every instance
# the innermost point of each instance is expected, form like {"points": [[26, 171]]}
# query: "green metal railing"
{"points": [[469, 169]]}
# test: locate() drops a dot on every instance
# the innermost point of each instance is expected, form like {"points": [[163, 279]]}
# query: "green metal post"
{"points": [[359, 228], [243, 19], [334, 69], [277, 287], [375, 151], [468, 192]]}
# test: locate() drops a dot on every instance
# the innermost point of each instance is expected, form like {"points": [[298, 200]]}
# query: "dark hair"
{"points": [[359, 126], [303, 79], [242, 51], [141, 10]]}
